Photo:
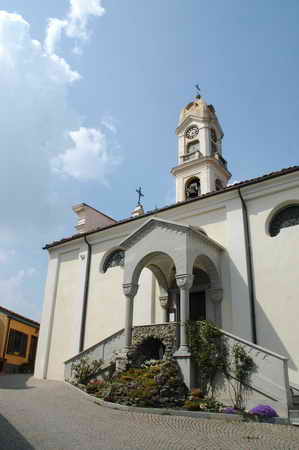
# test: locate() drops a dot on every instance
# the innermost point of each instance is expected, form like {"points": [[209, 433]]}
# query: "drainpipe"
{"points": [[249, 263], [85, 295]]}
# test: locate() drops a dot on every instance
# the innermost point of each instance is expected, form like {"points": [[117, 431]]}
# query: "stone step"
{"points": [[294, 417]]}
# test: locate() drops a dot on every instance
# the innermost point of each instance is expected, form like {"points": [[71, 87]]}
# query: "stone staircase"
{"points": [[270, 384]]}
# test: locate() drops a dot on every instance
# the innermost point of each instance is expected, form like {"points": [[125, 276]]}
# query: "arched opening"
{"points": [[197, 298], [206, 292], [155, 301], [151, 348], [192, 188], [214, 147], [193, 147], [113, 258], [287, 216]]}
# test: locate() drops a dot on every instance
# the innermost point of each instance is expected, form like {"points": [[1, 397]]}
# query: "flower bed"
{"points": [[159, 384]]}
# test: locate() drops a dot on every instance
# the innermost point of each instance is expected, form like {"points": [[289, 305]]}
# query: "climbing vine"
{"points": [[209, 352], [213, 358], [240, 369]]}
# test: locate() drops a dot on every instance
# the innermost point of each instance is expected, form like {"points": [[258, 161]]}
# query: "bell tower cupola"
{"points": [[201, 167]]}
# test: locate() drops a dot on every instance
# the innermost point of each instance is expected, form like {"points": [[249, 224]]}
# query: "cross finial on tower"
{"points": [[197, 90], [140, 194]]}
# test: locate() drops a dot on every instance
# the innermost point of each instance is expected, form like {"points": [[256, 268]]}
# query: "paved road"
{"points": [[37, 414]]}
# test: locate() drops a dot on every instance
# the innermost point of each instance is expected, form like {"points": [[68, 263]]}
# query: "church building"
{"points": [[226, 253]]}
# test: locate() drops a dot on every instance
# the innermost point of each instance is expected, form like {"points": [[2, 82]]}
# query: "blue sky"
{"points": [[90, 102]]}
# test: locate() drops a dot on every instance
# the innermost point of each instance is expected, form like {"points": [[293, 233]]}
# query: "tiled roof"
{"points": [[176, 205], [16, 316]]}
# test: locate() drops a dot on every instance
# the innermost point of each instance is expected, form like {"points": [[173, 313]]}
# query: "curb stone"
{"points": [[173, 412]]}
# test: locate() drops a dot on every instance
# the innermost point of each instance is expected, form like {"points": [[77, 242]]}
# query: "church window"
{"points": [[116, 259], [286, 217], [192, 188], [218, 185]]}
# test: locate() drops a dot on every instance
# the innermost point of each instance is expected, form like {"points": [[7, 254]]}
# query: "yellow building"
{"points": [[18, 341]]}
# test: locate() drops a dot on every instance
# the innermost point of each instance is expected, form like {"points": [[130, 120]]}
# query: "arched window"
{"points": [[286, 217], [218, 185], [117, 258], [192, 188]]}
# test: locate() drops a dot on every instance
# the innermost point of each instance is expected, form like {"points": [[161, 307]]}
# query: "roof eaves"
{"points": [[178, 204], [17, 316]]}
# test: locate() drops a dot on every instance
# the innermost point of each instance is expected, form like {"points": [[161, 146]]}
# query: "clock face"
{"points": [[192, 132]]}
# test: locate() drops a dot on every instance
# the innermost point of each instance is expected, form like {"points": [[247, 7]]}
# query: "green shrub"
{"points": [[84, 370]]}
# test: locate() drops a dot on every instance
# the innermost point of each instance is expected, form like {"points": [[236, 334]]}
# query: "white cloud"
{"points": [[75, 25], [36, 118], [34, 114], [88, 158], [53, 34], [79, 15]]}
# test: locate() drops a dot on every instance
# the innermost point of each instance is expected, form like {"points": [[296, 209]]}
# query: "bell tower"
{"points": [[201, 167]]}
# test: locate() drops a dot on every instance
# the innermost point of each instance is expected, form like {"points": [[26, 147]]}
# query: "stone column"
{"points": [[183, 355], [184, 282], [214, 295], [130, 290], [164, 305]]}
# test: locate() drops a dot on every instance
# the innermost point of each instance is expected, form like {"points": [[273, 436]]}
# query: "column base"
{"points": [[183, 358]]}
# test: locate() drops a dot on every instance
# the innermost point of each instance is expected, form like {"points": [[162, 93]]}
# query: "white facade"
{"points": [[205, 234]]}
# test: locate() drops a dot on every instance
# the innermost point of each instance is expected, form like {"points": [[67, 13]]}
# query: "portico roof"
{"points": [[157, 222]]}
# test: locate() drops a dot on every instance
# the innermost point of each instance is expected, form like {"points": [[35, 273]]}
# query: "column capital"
{"points": [[130, 289], [164, 301], [215, 294], [184, 281]]}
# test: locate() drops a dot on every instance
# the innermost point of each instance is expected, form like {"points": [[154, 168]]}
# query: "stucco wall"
{"points": [[106, 301], [276, 262], [68, 289]]}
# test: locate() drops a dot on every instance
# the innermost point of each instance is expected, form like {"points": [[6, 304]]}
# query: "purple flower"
{"points": [[230, 410], [264, 411]]}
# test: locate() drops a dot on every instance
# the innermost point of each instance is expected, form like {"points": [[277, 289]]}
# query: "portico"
{"points": [[183, 259]]}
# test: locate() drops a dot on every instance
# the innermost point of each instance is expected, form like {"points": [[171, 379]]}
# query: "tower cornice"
{"points": [[200, 162]]}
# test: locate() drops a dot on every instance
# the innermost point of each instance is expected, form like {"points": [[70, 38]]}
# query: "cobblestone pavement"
{"points": [[39, 414]]}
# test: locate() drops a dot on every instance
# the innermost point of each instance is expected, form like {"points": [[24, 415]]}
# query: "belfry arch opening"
{"points": [[192, 188]]}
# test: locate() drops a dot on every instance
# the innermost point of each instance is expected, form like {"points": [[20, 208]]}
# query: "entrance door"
{"points": [[197, 306]]}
